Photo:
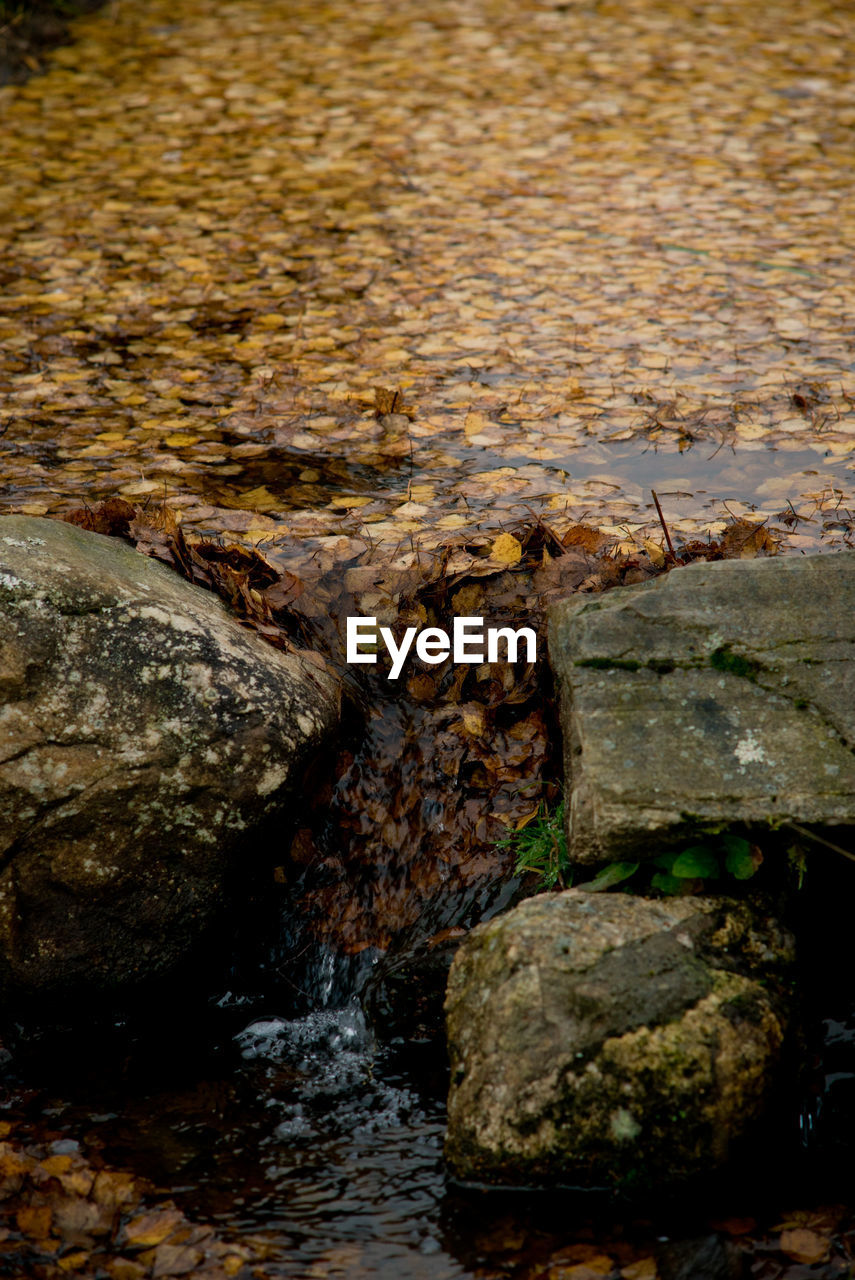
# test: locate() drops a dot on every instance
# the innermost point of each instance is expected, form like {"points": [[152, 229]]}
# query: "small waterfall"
{"points": [[328, 1057]]}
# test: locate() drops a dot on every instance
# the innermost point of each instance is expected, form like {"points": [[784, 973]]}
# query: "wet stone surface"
{"points": [[609, 1040], [144, 737], [722, 694]]}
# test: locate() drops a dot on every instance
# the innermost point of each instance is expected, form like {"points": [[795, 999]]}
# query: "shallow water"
{"points": [[305, 1135]]}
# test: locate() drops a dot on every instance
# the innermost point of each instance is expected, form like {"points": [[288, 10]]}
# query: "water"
{"points": [[308, 1138], [353, 1154], [299, 1132]]}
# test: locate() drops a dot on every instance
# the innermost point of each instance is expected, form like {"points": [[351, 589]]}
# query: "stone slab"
{"points": [[720, 694]]}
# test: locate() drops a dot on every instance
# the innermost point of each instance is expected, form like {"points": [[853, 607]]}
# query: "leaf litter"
{"points": [[61, 1215], [404, 312], [492, 257]]}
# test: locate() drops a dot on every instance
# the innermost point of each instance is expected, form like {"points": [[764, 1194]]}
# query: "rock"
{"points": [[605, 1039], [144, 735], [722, 693]]}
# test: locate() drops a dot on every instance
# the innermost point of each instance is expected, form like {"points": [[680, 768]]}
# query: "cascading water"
{"points": [[352, 1154]]}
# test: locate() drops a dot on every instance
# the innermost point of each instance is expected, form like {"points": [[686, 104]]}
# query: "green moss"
{"points": [[724, 659], [662, 666]]}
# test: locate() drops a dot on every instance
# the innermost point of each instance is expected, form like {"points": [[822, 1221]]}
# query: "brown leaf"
{"points": [[387, 400], [803, 1245], [34, 1221], [150, 1229], [580, 535], [125, 1269], [172, 1260], [745, 539], [284, 591], [111, 517], [76, 1217], [114, 1190]]}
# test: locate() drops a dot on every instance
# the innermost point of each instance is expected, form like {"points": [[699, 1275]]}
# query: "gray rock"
{"points": [[720, 694], [603, 1040], [143, 736]]}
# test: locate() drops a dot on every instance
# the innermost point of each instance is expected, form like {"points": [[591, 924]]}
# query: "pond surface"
{"points": [[312, 269], [398, 272]]}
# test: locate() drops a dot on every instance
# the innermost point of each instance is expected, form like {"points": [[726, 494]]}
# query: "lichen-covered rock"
{"points": [[603, 1040], [143, 736], [719, 694]]}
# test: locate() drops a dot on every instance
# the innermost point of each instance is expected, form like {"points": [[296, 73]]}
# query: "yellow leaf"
{"points": [[506, 549], [96, 451], [259, 499], [655, 552], [475, 422], [34, 1221], [473, 720], [644, 1269], [150, 1229], [73, 1261], [180, 441]]}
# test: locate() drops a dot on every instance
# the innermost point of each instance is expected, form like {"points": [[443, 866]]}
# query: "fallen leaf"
{"points": [[506, 550], [34, 1221], [644, 1269], [803, 1245], [150, 1229]]}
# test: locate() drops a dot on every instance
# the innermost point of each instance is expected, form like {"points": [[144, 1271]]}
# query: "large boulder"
{"points": [[720, 694], [144, 736], [604, 1039]]}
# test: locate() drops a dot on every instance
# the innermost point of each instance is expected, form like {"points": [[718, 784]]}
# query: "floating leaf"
{"points": [[506, 549]]}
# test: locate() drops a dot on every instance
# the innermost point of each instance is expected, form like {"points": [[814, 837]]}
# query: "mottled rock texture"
{"points": [[722, 693], [144, 735], [605, 1039]]}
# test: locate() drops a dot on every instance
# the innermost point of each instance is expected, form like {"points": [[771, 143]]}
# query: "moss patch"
{"points": [[724, 659]]}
